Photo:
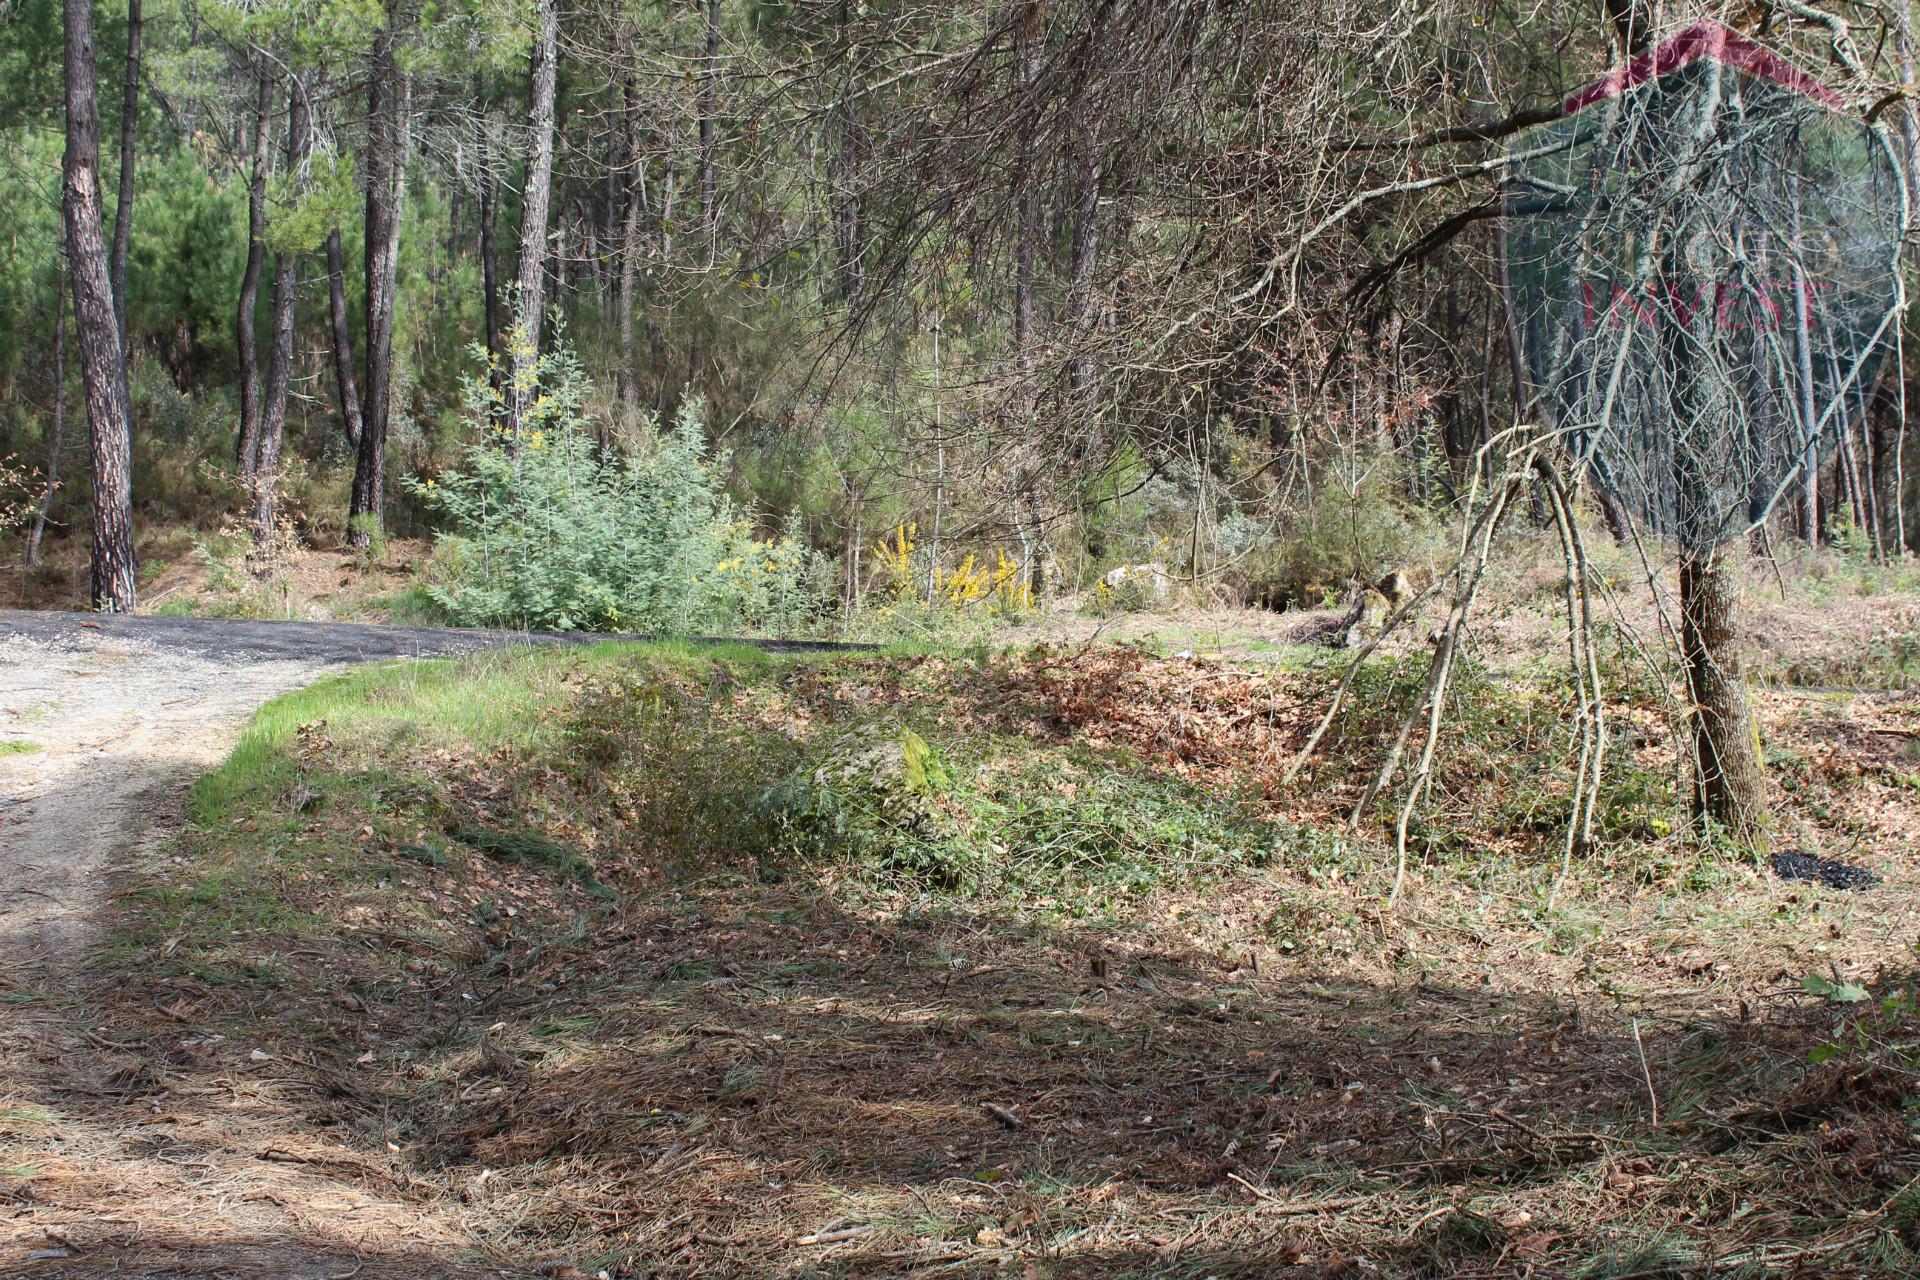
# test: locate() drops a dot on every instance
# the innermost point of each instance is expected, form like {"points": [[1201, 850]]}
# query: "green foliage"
{"points": [[1853, 543], [552, 531], [367, 532], [888, 805], [1351, 533], [1022, 823], [189, 246], [646, 743], [1653, 1257], [1835, 990], [302, 209]]}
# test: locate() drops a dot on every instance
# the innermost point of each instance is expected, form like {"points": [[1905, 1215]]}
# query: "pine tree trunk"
{"points": [[342, 340], [849, 164], [386, 185], [1027, 203], [490, 278], [273, 421], [247, 443], [709, 110], [123, 211], [111, 585], [529, 304], [1730, 786], [635, 207], [1614, 513], [1081, 271]]}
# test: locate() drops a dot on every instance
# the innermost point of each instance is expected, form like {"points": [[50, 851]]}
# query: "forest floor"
{"points": [[663, 962], [190, 573]]}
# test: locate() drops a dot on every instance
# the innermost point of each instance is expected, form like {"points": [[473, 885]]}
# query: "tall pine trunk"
{"points": [[1027, 207], [709, 141], [849, 144], [273, 421], [103, 372], [708, 107], [1729, 779], [1082, 267], [343, 376], [1026, 250], [246, 445], [490, 277], [634, 207], [123, 211], [386, 186], [531, 298]]}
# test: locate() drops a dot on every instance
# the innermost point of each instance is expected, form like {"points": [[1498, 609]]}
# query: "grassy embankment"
{"points": [[694, 963]]}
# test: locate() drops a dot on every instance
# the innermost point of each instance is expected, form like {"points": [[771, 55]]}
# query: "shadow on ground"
{"points": [[754, 1082]]}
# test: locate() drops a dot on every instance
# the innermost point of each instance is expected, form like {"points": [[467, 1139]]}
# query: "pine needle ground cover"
{"points": [[663, 962]]}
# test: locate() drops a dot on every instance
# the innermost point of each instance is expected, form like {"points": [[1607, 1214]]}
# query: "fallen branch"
{"points": [[833, 1237]]}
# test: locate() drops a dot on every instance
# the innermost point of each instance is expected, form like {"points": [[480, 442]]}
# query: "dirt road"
{"points": [[114, 1160], [104, 722]]}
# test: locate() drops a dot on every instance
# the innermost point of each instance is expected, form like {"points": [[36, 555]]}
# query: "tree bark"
{"points": [[1614, 513], [57, 438], [709, 110], [123, 211], [849, 165], [273, 421], [386, 187], [247, 443], [628, 380], [1729, 780], [490, 278], [1082, 267], [1730, 786], [342, 340], [103, 372], [538, 194], [1809, 415], [1027, 205]]}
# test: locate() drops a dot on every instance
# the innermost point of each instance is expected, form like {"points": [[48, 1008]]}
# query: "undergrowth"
{"points": [[765, 936]]}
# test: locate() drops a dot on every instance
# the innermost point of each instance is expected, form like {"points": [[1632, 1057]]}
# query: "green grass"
{"points": [[24, 1117], [412, 607], [644, 745], [480, 702], [342, 784], [515, 847], [14, 747]]}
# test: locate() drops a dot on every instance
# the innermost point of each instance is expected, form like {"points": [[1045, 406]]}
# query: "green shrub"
{"points": [[895, 811], [551, 530], [1347, 536], [875, 801]]}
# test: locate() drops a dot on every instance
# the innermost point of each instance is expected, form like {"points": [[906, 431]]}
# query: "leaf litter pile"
{"points": [[634, 990]]}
